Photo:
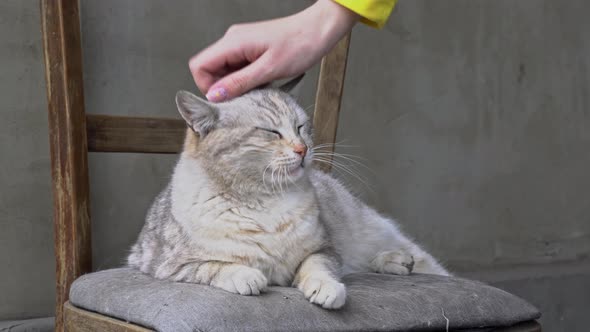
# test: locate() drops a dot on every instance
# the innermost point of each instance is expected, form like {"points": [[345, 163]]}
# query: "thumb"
{"points": [[239, 82]]}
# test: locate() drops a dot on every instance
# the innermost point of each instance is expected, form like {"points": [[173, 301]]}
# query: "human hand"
{"points": [[252, 54]]}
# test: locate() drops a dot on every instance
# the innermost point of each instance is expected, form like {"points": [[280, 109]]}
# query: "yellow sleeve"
{"points": [[372, 12]]}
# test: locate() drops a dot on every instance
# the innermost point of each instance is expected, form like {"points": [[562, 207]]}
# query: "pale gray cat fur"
{"points": [[245, 209]]}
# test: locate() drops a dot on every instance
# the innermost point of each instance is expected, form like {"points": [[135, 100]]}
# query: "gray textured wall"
{"points": [[26, 236], [473, 116]]}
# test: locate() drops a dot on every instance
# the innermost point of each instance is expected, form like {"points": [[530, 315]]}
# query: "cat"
{"points": [[245, 209]]}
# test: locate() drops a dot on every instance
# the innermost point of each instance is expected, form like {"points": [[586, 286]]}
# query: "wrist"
{"points": [[335, 21]]}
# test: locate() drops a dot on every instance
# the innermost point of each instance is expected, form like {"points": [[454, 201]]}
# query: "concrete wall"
{"points": [[472, 115], [476, 117], [26, 236]]}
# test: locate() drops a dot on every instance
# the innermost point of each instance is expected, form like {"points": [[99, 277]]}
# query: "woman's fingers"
{"points": [[215, 62], [241, 81], [205, 67]]}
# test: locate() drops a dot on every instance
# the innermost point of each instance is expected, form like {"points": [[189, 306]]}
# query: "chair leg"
{"points": [[67, 135]]}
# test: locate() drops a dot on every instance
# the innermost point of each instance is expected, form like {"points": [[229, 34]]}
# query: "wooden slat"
{"points": [[329, 96], [127, 134], [67, 137], [79, 320]]}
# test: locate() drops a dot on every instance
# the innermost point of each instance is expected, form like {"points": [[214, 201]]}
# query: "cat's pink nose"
{"points": [[300, 149]]}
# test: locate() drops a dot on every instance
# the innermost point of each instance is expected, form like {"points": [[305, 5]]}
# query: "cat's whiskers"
{"points": [[284, 173], [285, 177], [281, 175], [264, 174], [336, 144], [321, 150], [326, 150], [348, 168], [278, 181], [272, 180], [344, 168], [347, 157]]}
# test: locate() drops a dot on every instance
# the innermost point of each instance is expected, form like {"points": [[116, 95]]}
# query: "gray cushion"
{"points": [[375, 302]]}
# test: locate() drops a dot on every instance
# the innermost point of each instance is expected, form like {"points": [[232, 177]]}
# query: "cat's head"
{"points": [[260, 141]]}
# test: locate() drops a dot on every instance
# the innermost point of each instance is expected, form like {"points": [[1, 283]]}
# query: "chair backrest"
{"points": [[72, 134]]}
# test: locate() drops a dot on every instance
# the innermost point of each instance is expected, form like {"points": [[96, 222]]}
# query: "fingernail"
{"points": [[217, 94]]}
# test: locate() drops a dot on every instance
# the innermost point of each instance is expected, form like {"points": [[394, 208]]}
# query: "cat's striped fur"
{"points": [[245, 210]]}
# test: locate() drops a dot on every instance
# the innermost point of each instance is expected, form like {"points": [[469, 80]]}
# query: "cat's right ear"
{"points": [[293, 86], [199, 114]]}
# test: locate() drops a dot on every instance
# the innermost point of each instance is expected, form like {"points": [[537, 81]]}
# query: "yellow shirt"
{"points": [[372, 12]]}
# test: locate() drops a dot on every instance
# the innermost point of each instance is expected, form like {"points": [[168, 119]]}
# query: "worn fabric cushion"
{"points": [[375, 302]]}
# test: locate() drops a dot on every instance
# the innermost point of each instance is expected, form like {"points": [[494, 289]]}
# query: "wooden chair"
{"points": [[73, 134]]}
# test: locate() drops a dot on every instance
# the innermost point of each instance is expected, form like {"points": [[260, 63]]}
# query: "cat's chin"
{"points": [[296, 172]]}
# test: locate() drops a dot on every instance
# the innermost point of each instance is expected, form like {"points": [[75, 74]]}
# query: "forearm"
{"points": [[324, 264], [318, 278]]}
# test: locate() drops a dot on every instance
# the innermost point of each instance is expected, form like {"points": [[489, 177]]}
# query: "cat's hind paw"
{"points": [[326, 292], [393, 262]]}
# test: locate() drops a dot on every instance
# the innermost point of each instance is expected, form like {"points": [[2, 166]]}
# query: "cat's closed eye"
{"points": [[276, 132], [299, 129]]}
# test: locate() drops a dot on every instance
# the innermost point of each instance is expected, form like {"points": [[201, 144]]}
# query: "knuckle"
{"points": [[265, 71], [194, 63], [268, 70], [233, 28], [239, 83]]}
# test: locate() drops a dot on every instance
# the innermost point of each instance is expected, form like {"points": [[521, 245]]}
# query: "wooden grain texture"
{"points": [[127, 134], [530, 326], [79, 320], [67, 138], [329, 97]]}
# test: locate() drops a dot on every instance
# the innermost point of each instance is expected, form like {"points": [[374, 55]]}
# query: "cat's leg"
{"points": [[394, 252], [317, 278], [234, 278], [367, 240]]}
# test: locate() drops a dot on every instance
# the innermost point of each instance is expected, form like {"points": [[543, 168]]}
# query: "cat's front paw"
{"points": [[241, 280], [326, 292], [393, 262]]}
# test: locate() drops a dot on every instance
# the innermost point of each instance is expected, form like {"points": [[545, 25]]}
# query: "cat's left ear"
{"points": [[199, 114], [293, 86]]}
